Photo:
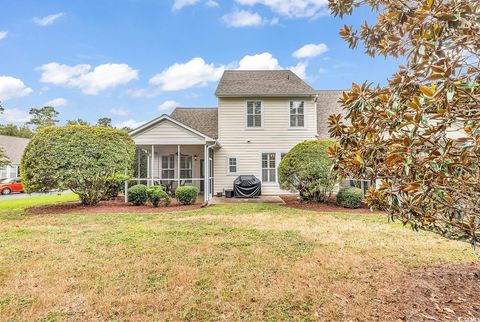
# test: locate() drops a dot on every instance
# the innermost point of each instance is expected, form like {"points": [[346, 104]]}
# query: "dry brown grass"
{"points": [[241, 262]]}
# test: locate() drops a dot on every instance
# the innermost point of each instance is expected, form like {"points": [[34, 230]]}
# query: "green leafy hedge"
{"points": [[186, 195], [137, 195], [307, 169], [350, 197], [81, 158], [156, 195]]}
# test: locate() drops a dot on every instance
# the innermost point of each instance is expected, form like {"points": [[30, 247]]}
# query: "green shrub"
{"points": [[156, 195], [137, 195], [307, 169], [113, 186], [186, 195], [350, 197], [77, 157]]}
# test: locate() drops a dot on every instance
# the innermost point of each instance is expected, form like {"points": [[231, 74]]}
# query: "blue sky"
{"points": [[133, 60]]}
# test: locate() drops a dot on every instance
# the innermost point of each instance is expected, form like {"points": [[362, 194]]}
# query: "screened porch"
{"points": [[173, 166]]}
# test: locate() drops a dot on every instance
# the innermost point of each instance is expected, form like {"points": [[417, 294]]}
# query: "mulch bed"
{"points": [[293, 202], [115, 206], [449, 292]]}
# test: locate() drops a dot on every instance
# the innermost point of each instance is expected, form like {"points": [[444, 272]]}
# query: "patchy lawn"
{"points": [[22, 203], [229, 262]]}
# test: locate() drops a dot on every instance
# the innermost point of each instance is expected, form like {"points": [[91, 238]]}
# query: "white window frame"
{"points": [[261, 114], [168, 169], [269, 168], [187, 180], [278, 156], [304, 115], [228, 165]]}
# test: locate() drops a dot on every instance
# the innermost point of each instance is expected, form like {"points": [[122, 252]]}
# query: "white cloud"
{"points": [[212, 4], [180, 4], [300, 69], [15, 115], [48, 20], [290, 8], [56, 102], [89, 81], [242, 18], [266, 61], [193, 73], [167, 105], [310, 50], [260, 61], [132, 124], [118, 111], [3, 34], [11, 87]]}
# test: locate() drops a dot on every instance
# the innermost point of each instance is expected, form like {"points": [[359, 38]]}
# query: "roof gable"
{"points": [[14, 147], [204, 120], [256, 83], [165, 130]]}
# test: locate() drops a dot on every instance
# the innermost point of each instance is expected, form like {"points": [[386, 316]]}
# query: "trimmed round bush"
{"points": [[137, 195], [186, 195], [156, 195], [350, 197], [307, 169], [83, 159]]}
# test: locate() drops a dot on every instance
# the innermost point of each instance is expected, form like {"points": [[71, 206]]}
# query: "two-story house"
{"points": [[261, 115]]}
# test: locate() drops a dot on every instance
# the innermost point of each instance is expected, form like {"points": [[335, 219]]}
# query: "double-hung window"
{"points": [[254, 114], [269, 164], [232, 165], [168, 166], [186, 166], [297, 114]]}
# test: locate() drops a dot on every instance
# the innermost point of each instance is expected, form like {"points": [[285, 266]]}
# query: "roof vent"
{"points": [[288, 77]]}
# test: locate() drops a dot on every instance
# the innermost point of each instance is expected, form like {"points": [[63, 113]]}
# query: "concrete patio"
{"points": [[262, 199]]}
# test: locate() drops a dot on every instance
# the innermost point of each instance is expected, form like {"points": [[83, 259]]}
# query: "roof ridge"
{"points": [[196, 108]]}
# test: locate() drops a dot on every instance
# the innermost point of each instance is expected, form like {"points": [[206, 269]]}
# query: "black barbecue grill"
{"points": [[247, 187]]}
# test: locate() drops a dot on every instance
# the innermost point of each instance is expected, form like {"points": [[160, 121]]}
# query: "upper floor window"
{"points": [[254, 114], [297, 114]]}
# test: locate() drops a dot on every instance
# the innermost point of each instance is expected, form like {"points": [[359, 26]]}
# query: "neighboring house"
{"points": [[261, 115], [14, 148]]}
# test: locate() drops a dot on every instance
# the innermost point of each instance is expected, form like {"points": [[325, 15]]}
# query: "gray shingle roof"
{"points": [[327, 104], [13, 147], [255, 83], [204, 120]]}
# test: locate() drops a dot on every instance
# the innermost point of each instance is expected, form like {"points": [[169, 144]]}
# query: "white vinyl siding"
{"points": [[254, 114], [269, 167], [247, 145], [168, 133], [297, 114]]}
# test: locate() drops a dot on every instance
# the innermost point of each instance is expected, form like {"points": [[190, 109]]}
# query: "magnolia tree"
{"points": [[84, 159], [420, 134]]}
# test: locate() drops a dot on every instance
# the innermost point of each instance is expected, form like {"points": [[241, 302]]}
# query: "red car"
{"points": [[7, 186]]}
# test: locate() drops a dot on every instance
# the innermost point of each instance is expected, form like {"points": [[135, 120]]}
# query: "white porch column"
{"points": [[206, 185], [178, 165], [152, 165]]}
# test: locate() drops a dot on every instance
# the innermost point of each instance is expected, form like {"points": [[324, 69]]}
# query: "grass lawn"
{"points": [[22, 203], [240, 262]]}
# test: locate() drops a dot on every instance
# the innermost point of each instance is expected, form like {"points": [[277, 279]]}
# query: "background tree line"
{"points": [[46, 116]]}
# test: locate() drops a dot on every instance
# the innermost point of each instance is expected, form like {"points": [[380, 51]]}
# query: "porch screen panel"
{"points": [[186, 167]]}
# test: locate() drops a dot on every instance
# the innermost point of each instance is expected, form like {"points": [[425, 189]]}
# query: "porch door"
{"points": [[202, 175]]}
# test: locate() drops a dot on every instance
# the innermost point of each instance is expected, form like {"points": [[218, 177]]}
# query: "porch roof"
{"points": [[167, 130]]}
